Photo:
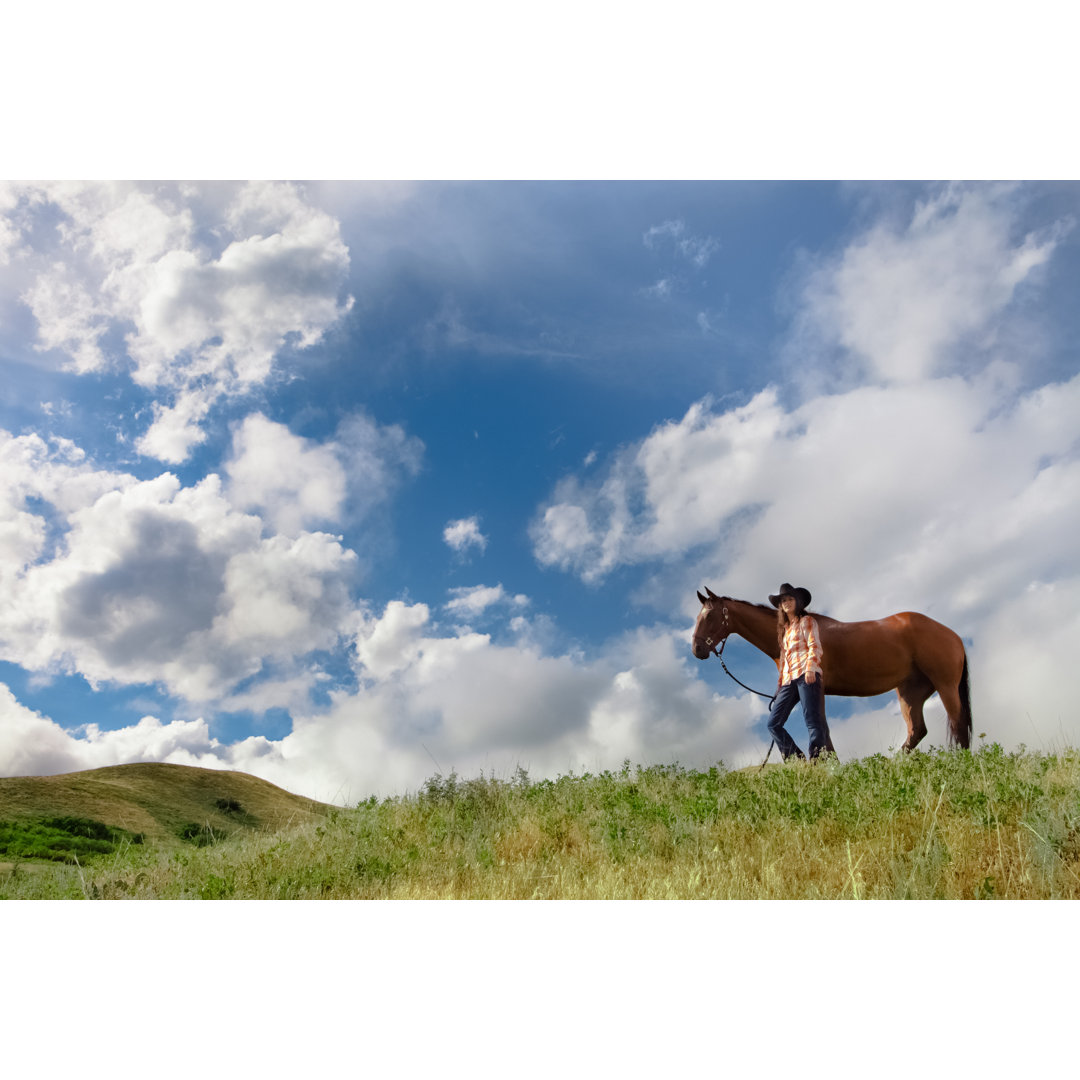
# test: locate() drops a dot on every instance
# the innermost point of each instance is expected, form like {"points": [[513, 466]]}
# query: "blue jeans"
{"points": [[812, 699]]}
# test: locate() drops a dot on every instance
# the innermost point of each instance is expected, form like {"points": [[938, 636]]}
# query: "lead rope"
{"points": [[720, 656]]}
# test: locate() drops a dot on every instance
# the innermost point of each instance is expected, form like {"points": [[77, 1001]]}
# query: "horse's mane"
{"points": [[748, 603], [772, 611]]}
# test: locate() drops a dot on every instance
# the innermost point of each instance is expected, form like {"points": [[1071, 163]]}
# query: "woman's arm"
{"points": [[813, 647]]}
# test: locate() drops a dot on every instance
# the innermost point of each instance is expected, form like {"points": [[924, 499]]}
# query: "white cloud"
{"points": [[55, 472], [292, 481], [34, 745], [463, 534], [287, 597], [389, 644], [900, 300], [296, 483], [131, 581], [206, 297], [69, 318], [473, 601], [175, 430], [30, 743], [1018, 657]]}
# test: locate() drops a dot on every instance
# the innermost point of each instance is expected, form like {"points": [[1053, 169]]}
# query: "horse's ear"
{"points": [[711, 594], [702, 599]]}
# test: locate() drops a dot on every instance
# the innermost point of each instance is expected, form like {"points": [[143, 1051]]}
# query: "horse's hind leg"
{"points": [[948, 676], [950, 698], [913, 693]]}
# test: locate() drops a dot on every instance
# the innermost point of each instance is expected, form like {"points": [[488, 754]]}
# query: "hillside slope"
{"points": [[158, 800]]}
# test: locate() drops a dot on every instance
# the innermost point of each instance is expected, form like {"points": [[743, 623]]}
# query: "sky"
{"points": [[344, 484]]}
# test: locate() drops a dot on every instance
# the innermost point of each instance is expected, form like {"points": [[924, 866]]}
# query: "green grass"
{"points": [[62, 839], [939, 825]]}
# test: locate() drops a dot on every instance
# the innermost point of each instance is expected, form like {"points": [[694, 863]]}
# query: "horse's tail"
{"points": [[961, 728]]}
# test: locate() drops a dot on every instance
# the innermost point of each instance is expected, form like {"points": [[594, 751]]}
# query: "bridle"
{"points": [[710, 644], [719, 654]]}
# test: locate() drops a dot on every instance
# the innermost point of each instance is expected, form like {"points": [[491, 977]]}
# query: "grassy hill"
{"points": [[168, 805], [939, 825]]}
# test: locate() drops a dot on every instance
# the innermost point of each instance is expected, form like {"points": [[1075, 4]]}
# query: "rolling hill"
{"points": [[165, 803]]}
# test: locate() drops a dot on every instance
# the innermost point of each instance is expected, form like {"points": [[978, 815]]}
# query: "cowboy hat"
{"points": [[801, 595]]}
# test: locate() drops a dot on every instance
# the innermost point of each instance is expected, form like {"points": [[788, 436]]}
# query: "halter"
{"points": [[719, 654]]}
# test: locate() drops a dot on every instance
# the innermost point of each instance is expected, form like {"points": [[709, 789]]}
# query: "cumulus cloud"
{"points": [[176, 428], [130, 581], [196, 588], [463, 534], [296, 483], [291, 480], [206, 297], [388, 644]]}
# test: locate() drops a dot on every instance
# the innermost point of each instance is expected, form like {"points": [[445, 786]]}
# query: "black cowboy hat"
{"points": [[800, 594]]}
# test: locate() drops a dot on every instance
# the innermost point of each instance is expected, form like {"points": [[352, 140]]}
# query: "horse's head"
{"points": [[713, 624]]}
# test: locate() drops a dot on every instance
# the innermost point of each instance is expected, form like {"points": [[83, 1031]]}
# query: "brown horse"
{"points": [[908, 653]]}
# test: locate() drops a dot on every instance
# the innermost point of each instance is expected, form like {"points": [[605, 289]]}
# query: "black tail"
{"points": [[962, 728]]}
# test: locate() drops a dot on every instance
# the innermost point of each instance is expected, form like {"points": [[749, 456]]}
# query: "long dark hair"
{"points": [[782, 620]]}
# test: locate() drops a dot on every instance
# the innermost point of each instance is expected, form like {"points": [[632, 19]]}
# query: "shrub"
{"points": [[62, 839]]}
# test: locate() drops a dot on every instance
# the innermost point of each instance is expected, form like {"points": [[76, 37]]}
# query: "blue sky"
{"points": [[340, 483]]}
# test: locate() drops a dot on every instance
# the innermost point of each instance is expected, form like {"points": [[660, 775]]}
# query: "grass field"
{"points": [[939, 825]]}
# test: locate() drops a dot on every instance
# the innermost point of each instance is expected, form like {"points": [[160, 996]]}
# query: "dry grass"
{"points": [[954, 825]]}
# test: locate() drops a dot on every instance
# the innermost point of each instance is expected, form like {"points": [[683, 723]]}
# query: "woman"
{"points": [[800, 674]]}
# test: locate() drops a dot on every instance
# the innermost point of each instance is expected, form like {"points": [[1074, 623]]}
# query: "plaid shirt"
{"points": [[802, 650]]}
